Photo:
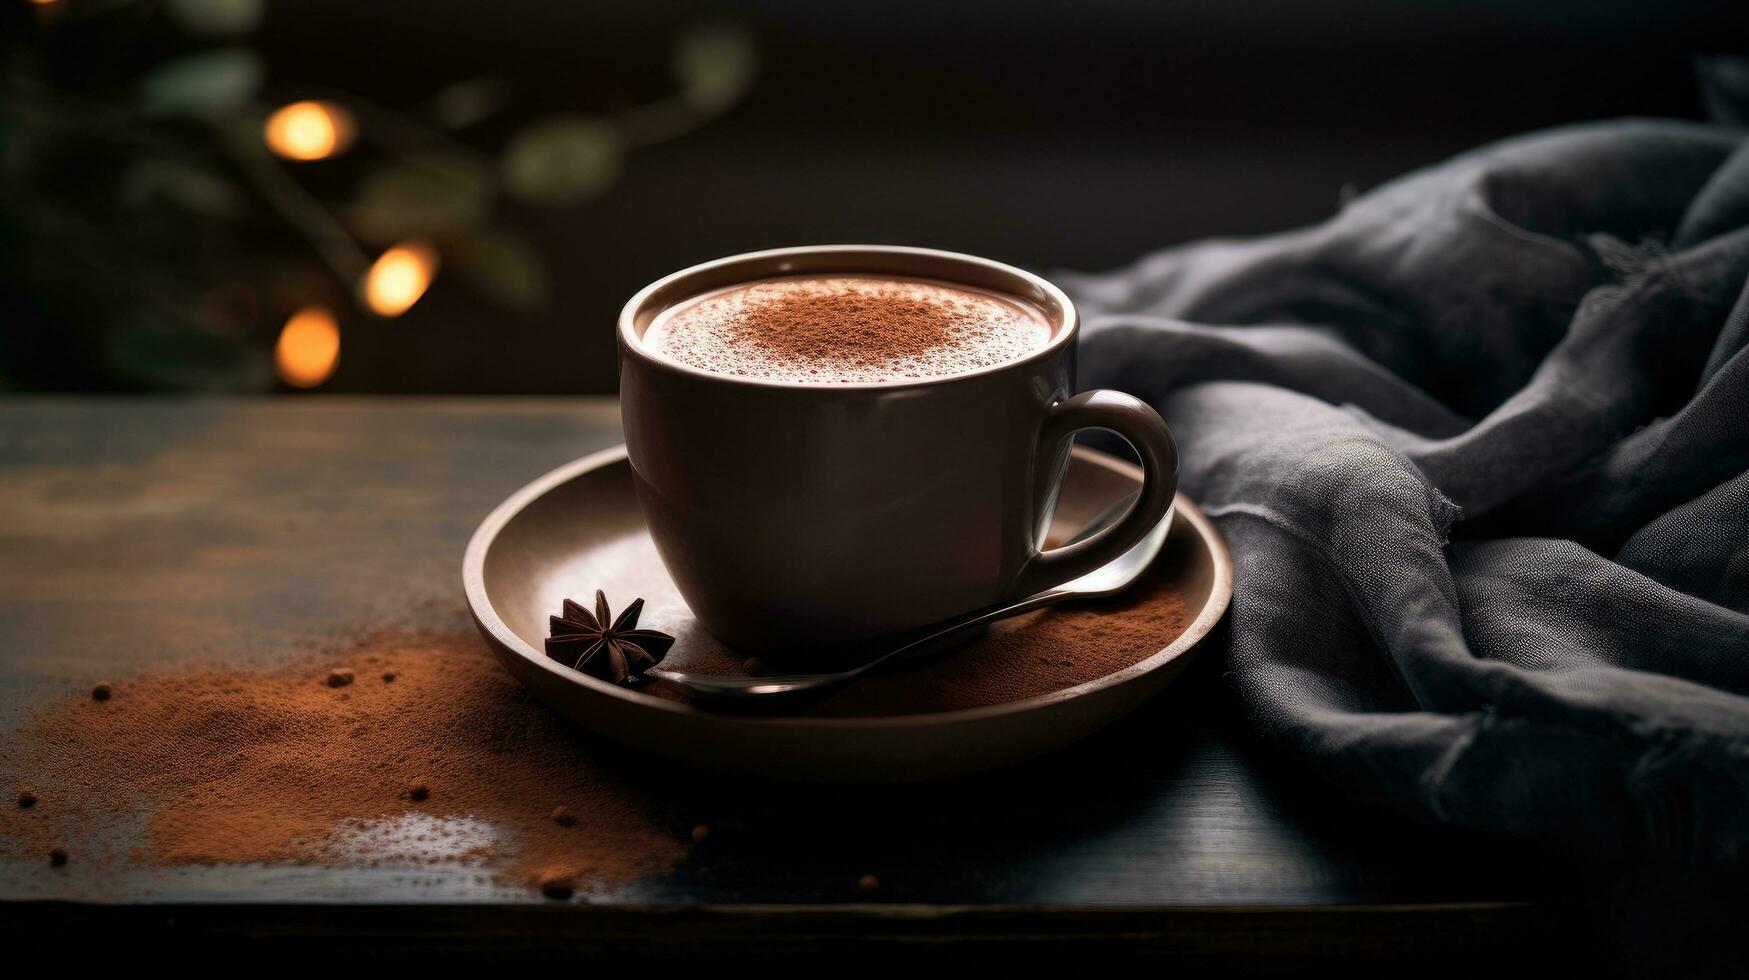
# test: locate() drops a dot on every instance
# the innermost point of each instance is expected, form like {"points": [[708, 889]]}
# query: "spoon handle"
{"points": [[726, 689], [1038, 600], [924, 645], [771, 692]]}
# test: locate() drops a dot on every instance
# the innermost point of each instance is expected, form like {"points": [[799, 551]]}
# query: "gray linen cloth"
{"points": [[1480, 444]]}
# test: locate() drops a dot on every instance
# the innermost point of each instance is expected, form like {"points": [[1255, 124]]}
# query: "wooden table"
{"points": [[243, 526]]}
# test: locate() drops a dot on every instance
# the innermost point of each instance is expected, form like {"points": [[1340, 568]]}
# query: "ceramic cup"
{"points": [[796, 516]]}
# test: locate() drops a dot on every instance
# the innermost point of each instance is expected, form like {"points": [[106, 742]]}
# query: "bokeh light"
{"points": [[399, 277], [308, 348], [310, 130]]}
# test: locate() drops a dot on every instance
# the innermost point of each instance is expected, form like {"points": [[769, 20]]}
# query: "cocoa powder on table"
{"points": [[433, 753], [452, 761]]}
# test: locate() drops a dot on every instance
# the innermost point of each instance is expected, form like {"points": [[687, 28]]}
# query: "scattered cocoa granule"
{"points": [[563, 816], [700, 832], [26, 798], [868, 883], [58, 857], [102, 692], [229, 765], [339, 677], [418, 792], [1038, 653], [388, 677], [557, 886]]}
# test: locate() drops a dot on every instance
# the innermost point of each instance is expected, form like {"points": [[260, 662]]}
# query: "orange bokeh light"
{"points": [[399, 277], [308, 348], [309, 130]]}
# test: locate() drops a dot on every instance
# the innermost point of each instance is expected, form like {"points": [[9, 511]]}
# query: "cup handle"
{"points": [[1139, 425]]}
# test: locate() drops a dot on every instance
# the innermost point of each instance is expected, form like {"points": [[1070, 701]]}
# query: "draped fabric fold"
{"points": [[1480, 443]]}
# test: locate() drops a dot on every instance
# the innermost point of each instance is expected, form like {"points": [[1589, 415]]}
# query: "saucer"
{"points": [[1031, 685]]}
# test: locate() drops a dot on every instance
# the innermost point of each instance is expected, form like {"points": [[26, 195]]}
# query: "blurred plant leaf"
{"points": [[467, 103], [714, 64], [211, 83], [173, 355], [217, 17], [189, 188], [427, 196], [562, 161], [501, 266]]}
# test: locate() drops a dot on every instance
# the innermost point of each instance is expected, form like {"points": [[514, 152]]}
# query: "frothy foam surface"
{"points": [[847, 329]]}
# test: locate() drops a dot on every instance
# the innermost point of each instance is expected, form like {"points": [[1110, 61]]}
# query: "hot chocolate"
{"points": [[849, 328]]}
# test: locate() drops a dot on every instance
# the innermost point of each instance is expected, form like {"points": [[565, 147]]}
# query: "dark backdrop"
{"points": [[1047, 134]]}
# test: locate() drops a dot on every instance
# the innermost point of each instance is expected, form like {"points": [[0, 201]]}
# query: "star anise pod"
{"points": [[614, 650]]}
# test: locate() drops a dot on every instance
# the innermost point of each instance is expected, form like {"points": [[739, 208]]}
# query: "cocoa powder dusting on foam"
{"points": [[847, 329], [232, 766]]}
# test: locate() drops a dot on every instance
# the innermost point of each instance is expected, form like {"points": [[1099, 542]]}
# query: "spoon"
{"points": [[725, 690]]}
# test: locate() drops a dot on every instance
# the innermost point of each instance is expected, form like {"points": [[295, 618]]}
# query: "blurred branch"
{"points": [[467, 103], [658, 122], [297, 206], [135, 188], [399, 132], [714, 65]]}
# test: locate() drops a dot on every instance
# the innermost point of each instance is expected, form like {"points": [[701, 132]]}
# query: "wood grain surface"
{"points": [[141, 533]]}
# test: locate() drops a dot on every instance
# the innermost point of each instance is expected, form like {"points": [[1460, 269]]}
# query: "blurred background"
{"points": [[442, 196]]}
